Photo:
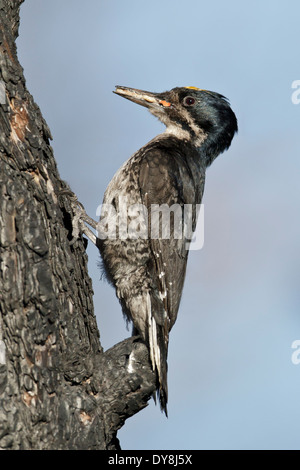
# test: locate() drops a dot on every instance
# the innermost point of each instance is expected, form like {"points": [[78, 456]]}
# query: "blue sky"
{"points": [[232, 383]]}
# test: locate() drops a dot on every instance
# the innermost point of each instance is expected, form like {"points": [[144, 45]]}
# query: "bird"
{"points": [[148, 269]]}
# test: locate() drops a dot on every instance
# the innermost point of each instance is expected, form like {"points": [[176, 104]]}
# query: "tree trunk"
{"points": [[58, 389]]}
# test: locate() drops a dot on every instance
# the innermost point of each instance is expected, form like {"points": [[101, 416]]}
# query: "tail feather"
{"points": [[158, 345]]}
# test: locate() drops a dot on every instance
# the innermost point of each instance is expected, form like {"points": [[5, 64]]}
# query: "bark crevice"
{"points": [[58, 388]]}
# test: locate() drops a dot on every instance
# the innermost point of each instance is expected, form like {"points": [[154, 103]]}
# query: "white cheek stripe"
{"points": [[177, 130]]}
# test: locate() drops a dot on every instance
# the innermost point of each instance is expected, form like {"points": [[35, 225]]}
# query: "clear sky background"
{"points": [[232, 383]]}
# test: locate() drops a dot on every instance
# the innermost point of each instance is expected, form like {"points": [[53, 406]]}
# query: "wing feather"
{"points": [[161, 177]]}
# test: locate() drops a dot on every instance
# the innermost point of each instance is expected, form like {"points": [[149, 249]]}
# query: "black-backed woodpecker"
{"points": [[148, 271]]}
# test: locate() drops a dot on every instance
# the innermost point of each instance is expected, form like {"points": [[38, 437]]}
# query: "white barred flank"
{"points": [[163, 295]]}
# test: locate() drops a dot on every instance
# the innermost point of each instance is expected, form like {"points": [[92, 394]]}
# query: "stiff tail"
{"points": [[158, 345]]}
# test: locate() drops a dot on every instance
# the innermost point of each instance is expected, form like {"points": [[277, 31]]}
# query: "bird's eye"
{"points": [[189, 101]]}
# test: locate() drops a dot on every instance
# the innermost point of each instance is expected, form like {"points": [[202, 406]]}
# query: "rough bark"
{"points": [[58, 389]]}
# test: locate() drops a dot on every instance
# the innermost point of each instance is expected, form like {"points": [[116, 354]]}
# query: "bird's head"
{"points": [[204, 118]]}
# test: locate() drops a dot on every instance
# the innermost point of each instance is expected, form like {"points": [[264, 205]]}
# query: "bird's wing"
{"points": [[164, 179]]}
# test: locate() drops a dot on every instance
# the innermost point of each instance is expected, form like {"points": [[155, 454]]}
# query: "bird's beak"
{"points": [[144, 98]]}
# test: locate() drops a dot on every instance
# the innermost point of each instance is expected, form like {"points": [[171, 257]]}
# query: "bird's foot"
{"points": [[80, 219]]}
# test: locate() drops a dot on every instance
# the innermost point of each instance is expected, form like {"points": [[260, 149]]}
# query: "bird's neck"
{"points": [[215, 144], [203, 145], [193, 135]]}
